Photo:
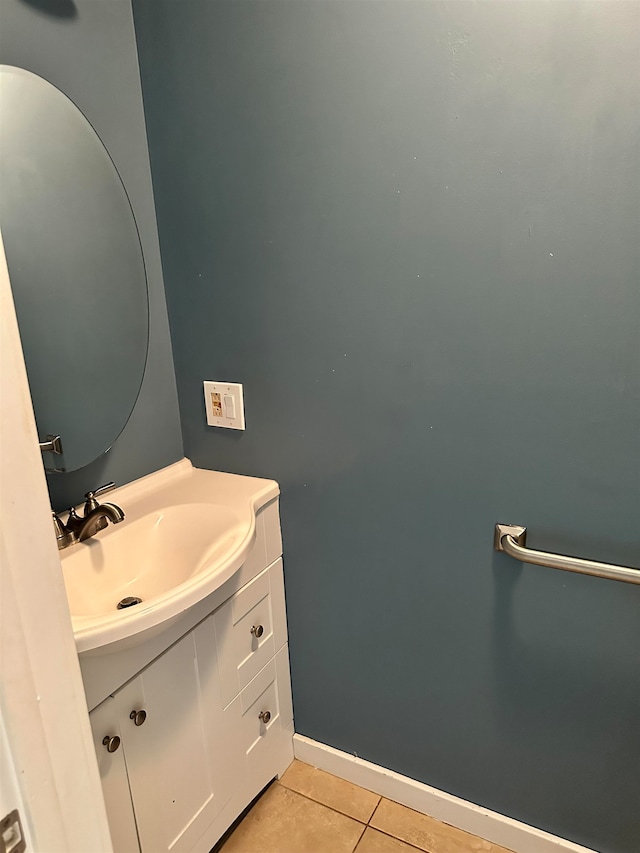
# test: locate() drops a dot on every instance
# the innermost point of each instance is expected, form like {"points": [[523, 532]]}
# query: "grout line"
{"points": [[364, 829], [401, 840], [363, 825], [375, 808], [318, 803], [355, 849], [366, 823], [374, 811]]}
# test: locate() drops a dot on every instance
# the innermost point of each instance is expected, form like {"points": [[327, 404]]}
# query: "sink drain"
{"points": [[129, 601]]}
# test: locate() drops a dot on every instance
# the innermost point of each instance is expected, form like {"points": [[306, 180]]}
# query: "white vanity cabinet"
{"points": [[179, 758], [205, 725]]}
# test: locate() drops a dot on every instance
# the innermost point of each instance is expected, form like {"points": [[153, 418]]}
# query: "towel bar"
{"points": [[511, 539]]}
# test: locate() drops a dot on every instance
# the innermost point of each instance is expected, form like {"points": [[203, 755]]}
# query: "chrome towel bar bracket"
{"points": [[512, 539], [53, 444]]}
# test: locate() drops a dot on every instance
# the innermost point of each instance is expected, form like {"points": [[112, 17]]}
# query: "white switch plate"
{"points": [[224, 404]]}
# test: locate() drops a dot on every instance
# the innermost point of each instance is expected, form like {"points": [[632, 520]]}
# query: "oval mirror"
{"points": [[76, 269]]}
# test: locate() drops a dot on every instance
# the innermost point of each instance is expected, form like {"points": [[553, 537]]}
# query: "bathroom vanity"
{"points": [[192, 715]]}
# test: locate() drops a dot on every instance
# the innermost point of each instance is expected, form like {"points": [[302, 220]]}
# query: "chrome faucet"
{"points": [[95, 517]]}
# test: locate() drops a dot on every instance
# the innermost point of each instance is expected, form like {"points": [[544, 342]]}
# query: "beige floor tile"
{"points": [[336, 793], [283, 821], [428, 834], [377, 842]]}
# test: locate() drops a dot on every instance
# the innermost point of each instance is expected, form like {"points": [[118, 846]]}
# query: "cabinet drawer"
{"points": [[267, 743], [261, 723], [244, 636]]}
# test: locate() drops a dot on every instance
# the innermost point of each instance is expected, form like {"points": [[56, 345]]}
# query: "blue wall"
{"points": [[88, 50], [411, 231]]}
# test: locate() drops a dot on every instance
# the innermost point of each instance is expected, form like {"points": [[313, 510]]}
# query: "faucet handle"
{"points": [[64, 536], [90, 497], [73, 520]]}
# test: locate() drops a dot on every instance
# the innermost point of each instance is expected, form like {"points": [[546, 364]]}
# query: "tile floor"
{"points": [[310, 811]]}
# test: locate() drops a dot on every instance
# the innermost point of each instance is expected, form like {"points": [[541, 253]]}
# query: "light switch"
{"points": [[224, 404], [229, 406]]}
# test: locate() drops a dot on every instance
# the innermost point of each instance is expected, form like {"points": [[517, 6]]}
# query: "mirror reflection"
{"points": [[76, 269]]}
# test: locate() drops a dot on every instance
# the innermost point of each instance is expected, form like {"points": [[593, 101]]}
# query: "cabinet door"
{"points": [[170, 757], [113, 775]]}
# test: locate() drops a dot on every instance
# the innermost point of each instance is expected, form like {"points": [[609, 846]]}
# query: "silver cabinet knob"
{"points": [[257, 631], [112, 742], [265, 716], [138, 717]]}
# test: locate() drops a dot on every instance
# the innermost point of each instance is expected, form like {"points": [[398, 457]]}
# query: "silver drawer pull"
{"points": [[265, 716], [111, 742], [257, 631]]}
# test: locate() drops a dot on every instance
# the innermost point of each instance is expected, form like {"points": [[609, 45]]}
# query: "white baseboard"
{"points": [[469, 817]]}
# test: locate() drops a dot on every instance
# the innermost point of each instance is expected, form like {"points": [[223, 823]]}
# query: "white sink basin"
{"points": [[148, 557], [185, 533]]}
